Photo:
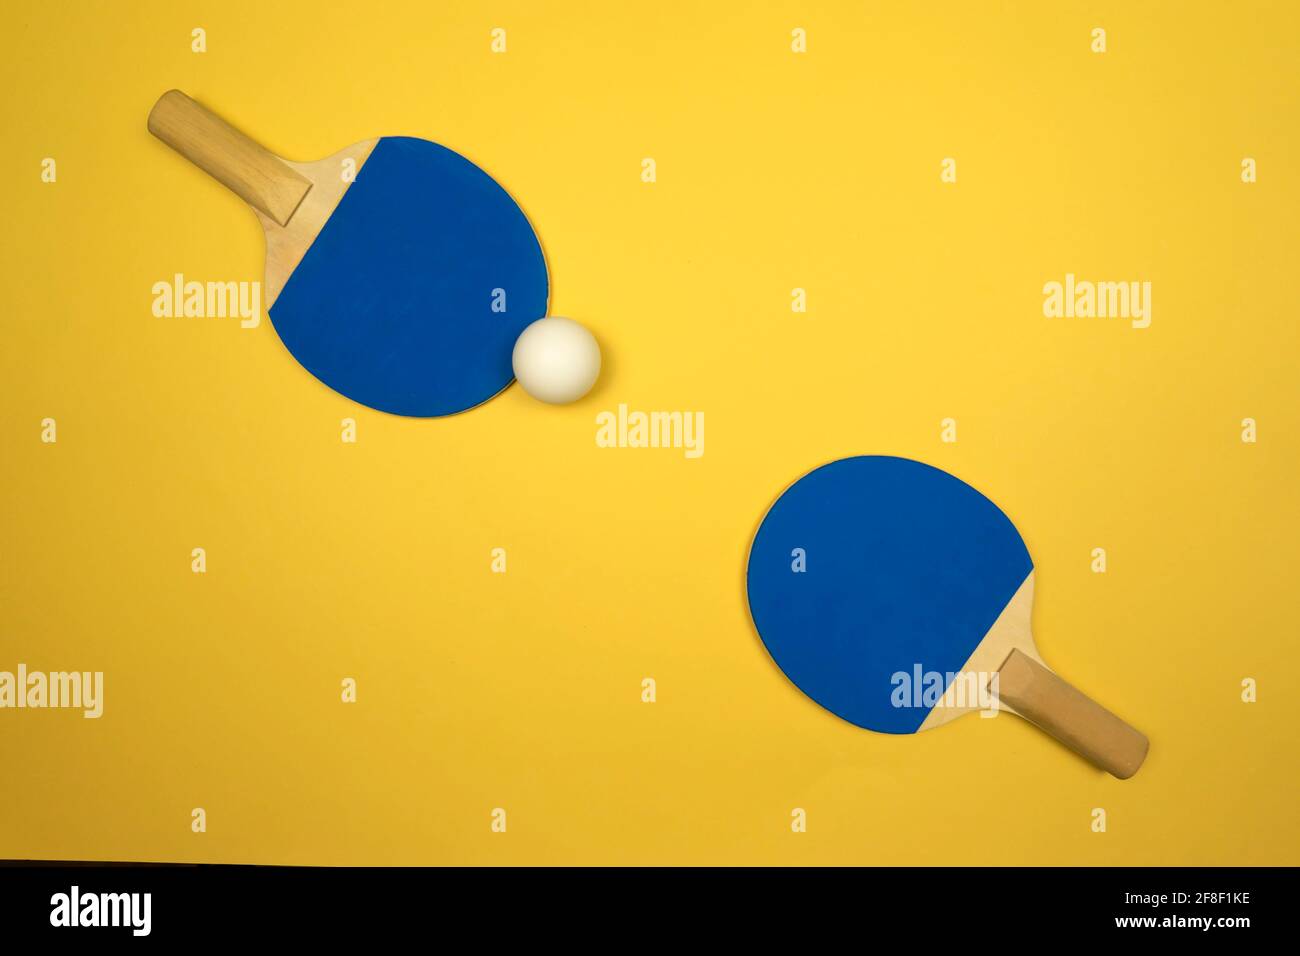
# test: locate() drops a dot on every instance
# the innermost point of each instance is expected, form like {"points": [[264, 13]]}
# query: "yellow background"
{"points": [[775, 171]]}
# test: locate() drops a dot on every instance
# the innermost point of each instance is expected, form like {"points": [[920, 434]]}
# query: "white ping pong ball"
{"points": [[556, 360]]}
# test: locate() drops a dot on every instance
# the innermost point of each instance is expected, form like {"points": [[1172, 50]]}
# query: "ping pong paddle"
{"points": [[397, 272], [892, 594]]}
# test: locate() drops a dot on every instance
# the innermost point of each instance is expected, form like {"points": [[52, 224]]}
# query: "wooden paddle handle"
{"points": [[1074, 719], [258, 176]]}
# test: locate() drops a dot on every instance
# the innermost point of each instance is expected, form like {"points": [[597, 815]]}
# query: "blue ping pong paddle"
{"points": [[397, 272], [898, 597]]}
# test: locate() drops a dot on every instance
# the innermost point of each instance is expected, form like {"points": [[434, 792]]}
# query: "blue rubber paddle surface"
{"points": [[392, 304], [905, 565]]}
